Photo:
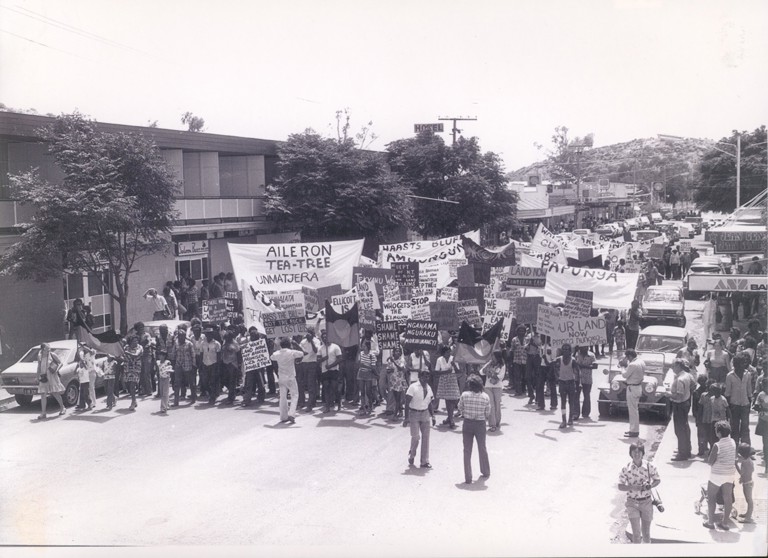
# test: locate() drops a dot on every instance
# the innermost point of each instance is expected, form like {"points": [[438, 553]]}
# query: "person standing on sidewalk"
{"points": [[637, 478], [634, 375], [418, 410], [683, 386], [475, 406], [738, 392], [586, 363], [722, 458]]}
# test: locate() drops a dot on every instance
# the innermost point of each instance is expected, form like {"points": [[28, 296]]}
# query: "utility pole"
{"points": [[738, 170], [455, 119]]}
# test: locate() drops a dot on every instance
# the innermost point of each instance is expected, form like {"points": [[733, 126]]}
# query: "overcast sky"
{"points": [[621, 69]]}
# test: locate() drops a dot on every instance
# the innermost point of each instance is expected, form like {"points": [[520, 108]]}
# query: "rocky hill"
{"points": [[641, 161]]}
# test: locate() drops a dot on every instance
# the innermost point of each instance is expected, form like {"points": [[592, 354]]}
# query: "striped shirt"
{"points": [[725, 464], [475, 406], [185, 355], [518, 351]]}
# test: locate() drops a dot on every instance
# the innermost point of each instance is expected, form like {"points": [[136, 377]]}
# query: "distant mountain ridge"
{"points": [[640, 161]]}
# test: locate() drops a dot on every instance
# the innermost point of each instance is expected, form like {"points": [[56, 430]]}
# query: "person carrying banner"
{"points": [[254, 381], [447, 384], [418, 410], [567, 374], [586, 362], [330, 357]]}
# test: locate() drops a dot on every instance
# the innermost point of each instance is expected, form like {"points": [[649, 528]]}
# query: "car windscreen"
{"points": [[660, 343], [705, 269], [659, 295], [34, 354]]}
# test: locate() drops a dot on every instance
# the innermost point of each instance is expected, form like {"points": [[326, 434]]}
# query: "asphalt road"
{"points": [[329, 485]]}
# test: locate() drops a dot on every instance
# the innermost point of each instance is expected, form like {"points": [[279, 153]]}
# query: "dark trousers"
{"points": [[183, 379], [682, 428], [349, 371], [740, 423], [254, 383], [586, 406], [541, 380], [306, 377], [331, 395], [702, 437], [206, 374], [632, 338], [214, 381], [229, 377], [474, 430], [85, 396], [552, 384], [517, 378], [532, 365], [110, 389], [568, 395], [145, 380]]}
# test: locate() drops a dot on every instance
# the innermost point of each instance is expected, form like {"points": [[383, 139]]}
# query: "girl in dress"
{"points": [[395, 367], [132, 370], [49, 382], [447, 383]]}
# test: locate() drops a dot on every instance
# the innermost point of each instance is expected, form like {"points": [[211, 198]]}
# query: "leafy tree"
{"points": [[114, 206], [566, 162], [716, 173], [461, 173], [194, 123], [332, 189]]}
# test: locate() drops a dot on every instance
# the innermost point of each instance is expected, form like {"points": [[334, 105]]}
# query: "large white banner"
{"points": [[547, 244], [610, 289], [282, 267], [429, 253]]}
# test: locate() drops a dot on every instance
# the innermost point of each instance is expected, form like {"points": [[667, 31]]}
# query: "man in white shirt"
{"points": [[329, 358], [286, 363], [307, 374], [418, 410], [634, 375], [210, 350], [159, 305]]}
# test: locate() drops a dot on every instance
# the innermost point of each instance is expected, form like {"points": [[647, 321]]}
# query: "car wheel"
{"points": [[23, 400], [71, 393]]}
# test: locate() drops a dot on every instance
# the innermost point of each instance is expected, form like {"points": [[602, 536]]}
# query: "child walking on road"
{"points": [[746, 469]]}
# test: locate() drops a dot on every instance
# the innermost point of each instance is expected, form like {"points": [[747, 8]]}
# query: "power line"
{"points": [[44, 45], [69, 28]]}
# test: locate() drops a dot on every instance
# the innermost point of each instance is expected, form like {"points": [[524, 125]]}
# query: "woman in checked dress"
{"points": [[48, 367], [447, 383], [132, 370]]}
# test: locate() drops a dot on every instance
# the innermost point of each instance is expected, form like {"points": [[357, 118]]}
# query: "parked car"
{"points": [[657, 346], [702, 264], [608, 229], [663, 305], [581, 232], [695, 223], [20, 379]]}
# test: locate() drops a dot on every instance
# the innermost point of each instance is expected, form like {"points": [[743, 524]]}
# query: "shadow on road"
{"points": [[92, 418], [342, 423], [476, 486]]}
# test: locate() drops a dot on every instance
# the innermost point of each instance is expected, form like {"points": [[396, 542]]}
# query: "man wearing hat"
{"points": [[682, 388]]}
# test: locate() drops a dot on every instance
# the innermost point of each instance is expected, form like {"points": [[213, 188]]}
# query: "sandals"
{"points": [[41, 417]]}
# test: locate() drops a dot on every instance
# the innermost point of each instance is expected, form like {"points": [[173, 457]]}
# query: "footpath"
{"points": [[685, 511]]}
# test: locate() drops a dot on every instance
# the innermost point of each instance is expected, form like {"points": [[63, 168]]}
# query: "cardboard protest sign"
{"points": [[283, 324], [311, 300], [522, 276], [366, 293], [344, 302], [469, 311], [234, 306], [387, 334], [453, 266], [495, 310], [391, 291], [377, 276], [398, 310], [444, 313], [577, 331], [406, 273], [576, 306], [367, 318], [466, 276], [510, 294], [421, 334], [429, 275], [585, 254], [291, 301], [450, 294], [473, 293], [214, 310], [586, 295], [547, 318], [656, 251], [527, 309], [420, 312], [286, 266], [255, 355], [325, 294], [474, 273], [685, 246]]}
